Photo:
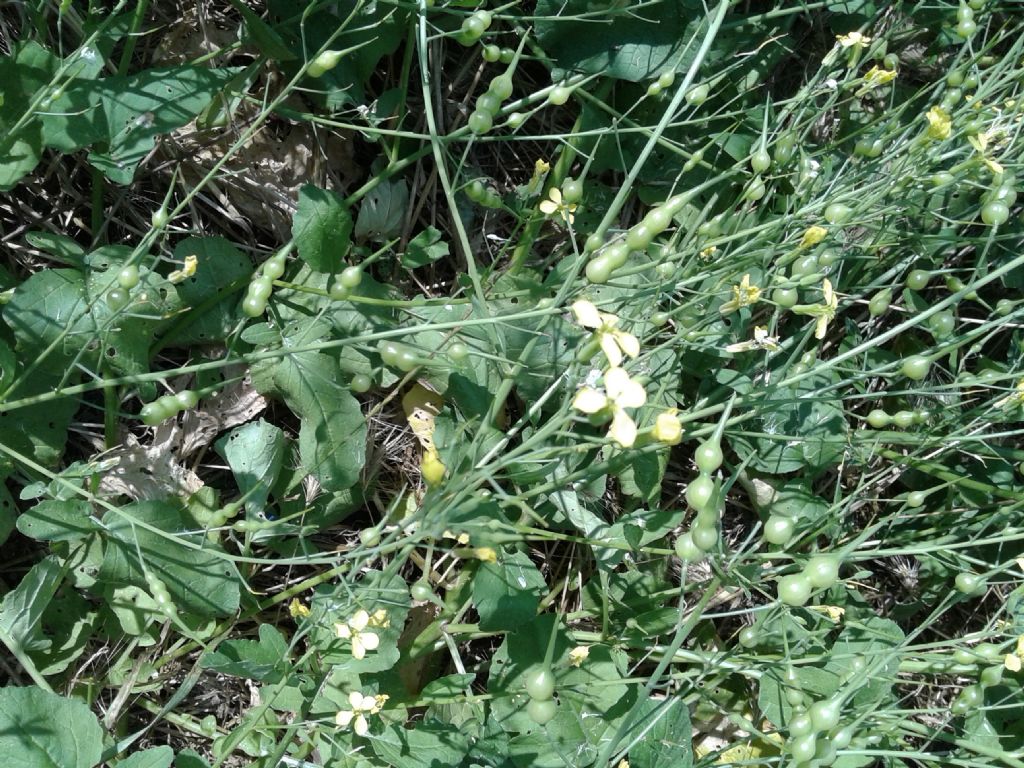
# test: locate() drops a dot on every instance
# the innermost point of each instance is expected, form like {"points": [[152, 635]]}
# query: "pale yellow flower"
{"points": [[614, 342], [353, 631], [980, 144], [620, 392], [1012, 661], [875, 77], [555, 205], [667, 428], [940, 125], [853, 40], [813, 236], [298, 609], [485, 554], [761, 340], [191, 264], [825, 311], [578, 655], [743, 295], [461, 538], [362, 705], [379, 618]]}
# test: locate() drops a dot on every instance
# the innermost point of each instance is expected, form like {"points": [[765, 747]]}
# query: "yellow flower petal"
{"points": [[589, 400], [361, 727], [359, 620], [586, 314], [343, 630], [344, 717], [369, 640], [627, 342], [623, 429], [667, 428], [555, 196], [611, 349], [812, 236], [548, 207]]}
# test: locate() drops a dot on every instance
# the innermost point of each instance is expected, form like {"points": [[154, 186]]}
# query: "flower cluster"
{"points": [[355, 631], [621, 392], [362, 705]]}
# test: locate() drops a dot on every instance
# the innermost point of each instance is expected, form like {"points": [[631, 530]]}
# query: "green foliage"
{"points": [[39, 729], [466, 385], [321, 228]]}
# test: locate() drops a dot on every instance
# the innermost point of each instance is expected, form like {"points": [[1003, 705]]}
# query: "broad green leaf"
{"points": [[429, 745], [154, 757], [138, 108], [23, 607], [50, 306], [67, 623], [624, 43], [383, 211], [61, 247], [263, 660], [590, 698], [590, 525], [54, 520], [870, 638], [190, 759], [666, 741], [39, 729], [255, 453], [199, 581], [331, 605], [507, 593], [322, 228], [23, 73], [426, 248], [332, 438], [220, 265], [447, 686], [771, 696], [262, 34]]}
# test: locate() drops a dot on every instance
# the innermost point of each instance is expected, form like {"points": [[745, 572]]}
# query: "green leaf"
{"points": [[448, 686], [426, 248], [625, 43], [332, 438], [23, 606], [507, 593], [813, 681], [871, 637], [138, 108], [199, 581], [667, 742], [262, 34], [207, 293], [383, 210], [591, 698], [154, 757], [430, 745], [255, 452], [53, 520], [61, 247], [190, 759], [262, 660], [29, 68], [39, 729], [322, 228]]}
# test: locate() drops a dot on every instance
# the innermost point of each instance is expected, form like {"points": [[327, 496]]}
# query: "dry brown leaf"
{"points": [[158, 470]]}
